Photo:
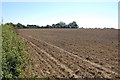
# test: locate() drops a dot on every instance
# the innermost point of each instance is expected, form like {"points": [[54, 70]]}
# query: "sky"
{"points": [[86, 14]]}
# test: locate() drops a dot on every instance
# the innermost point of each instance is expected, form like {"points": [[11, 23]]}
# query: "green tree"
{"points": [[73, 25], [19, 25]]}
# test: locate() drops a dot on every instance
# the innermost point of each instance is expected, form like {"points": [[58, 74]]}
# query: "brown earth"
{"points": [[79, 53]]}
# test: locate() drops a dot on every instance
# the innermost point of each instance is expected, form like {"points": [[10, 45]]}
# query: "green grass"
{"points": [[14, 55], [0, 51]]}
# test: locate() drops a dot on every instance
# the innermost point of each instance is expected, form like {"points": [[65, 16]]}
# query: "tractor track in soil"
{"points": [[53, 64], [65, 63]]}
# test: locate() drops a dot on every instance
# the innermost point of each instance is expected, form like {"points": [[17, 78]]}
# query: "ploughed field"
{"points": [[79, 53]]}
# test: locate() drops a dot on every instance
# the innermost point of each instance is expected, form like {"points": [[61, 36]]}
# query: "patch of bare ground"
{"points": [[73, 52]]}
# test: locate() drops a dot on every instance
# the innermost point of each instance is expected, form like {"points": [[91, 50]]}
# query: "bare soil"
{"points": [[79, 53]]}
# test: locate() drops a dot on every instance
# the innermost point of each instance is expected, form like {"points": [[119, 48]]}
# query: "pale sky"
{"points": [[86, 14]]}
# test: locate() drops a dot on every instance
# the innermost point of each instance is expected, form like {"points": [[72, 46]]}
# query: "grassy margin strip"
{"points": [[14, 54]]}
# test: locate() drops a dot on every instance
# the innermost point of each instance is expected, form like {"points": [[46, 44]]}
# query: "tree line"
{"points": [[58, 25]]}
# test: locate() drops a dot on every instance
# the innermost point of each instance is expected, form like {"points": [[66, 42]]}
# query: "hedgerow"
{"points": [[14, 55]]}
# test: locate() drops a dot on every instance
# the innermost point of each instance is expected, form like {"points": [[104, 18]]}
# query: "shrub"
{"points": [[14, 55]]}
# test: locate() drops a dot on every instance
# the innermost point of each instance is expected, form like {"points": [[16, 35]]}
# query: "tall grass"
{"points": [[0, 51], [14, 55]]}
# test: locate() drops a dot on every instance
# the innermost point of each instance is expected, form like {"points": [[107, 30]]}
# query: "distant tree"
{"points": [[32, 26], [19, 25], [57, 25], [48, 26], [53, 25], [73, 25], [61, 23]]}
